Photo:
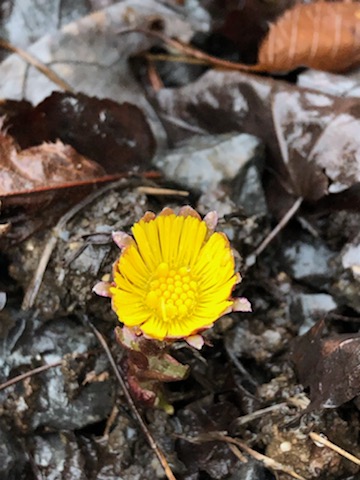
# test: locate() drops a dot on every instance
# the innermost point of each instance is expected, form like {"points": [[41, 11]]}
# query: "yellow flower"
{"points": [[174, 277]]}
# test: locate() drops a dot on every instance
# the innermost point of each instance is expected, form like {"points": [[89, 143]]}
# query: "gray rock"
{"points": [[12, 456], [59, 409], [347, 284], [58, 456], [306, 308], [58, 399], [203, 162], [248, 192], [310, 263]]}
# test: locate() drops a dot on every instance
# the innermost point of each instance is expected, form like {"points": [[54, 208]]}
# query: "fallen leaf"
{"points": [[201, 418], [46, 165], [318, 141], [117, 136], [313, 148], [330, 367], [320, 35], [245, 24], [60, 149]]}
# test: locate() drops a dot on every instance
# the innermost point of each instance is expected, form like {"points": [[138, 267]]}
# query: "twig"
{"points": [[194, 52], [50, 74], [30, 373], [316, 438], [119, 375], [110, 421], [165, 57], [35, 283], [154, 77], [251, 259], [258, 413], [162, 191], [267, 461], [237, 453]]}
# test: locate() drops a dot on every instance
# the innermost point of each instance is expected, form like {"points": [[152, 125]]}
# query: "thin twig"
{"points": [[165, 57], [194, 52], [30, 373], [35, 283], [235, 450], [50, 74], [258, 413], [316, 438], [162, 191], [251, 259], [267, 461], [119, 375]]}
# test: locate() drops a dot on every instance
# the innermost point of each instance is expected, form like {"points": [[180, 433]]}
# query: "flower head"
{"points": [[175, 275]]}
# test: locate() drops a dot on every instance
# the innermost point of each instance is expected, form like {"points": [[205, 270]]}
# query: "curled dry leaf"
{"points": [[328, 366], [245, 24], [46, 165], [320, 35], [54, 153]]}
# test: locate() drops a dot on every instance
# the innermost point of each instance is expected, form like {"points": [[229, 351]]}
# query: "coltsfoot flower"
{"points": [[174, 276]]}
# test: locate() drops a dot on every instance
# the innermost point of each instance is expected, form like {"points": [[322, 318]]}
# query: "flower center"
{"points": [[172, 293]]}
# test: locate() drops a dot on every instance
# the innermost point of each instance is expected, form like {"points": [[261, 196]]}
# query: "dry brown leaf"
{"points": [[321, 35], [46, 165], [324, 36], [328, 366]]}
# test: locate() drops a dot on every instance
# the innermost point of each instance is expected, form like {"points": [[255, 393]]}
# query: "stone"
{"points": [[347, 284], [309, 261], [306, 308], [12, 457], [202, 162]]}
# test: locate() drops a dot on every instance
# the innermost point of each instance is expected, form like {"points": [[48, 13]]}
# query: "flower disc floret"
{"points": [[175, 275]]}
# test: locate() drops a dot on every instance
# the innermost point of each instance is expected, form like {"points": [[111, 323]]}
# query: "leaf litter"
{"points": [[309, 153]]}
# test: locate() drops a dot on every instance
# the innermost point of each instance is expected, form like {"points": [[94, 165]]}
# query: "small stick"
{"points": [[119, 375], [110, 421], [258, 413], [235, 450], [35, 371], [50, 74], [194, 52], [166, 57], [316, 438], [267, 461], [154, 77], [162, 191], [251, 259]]}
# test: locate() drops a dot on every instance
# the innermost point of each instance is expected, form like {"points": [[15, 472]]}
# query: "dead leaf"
{"points": [[313, 148], [200, 418], [318, 141], [330, 367], [117, 136], [46, 165], [100, 141], [320, 35], [245, 24]]}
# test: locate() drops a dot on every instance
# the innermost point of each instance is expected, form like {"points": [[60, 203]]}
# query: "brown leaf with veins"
{"points": [[47, 165], [321, 35], [60, 149], [330, 367]]}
